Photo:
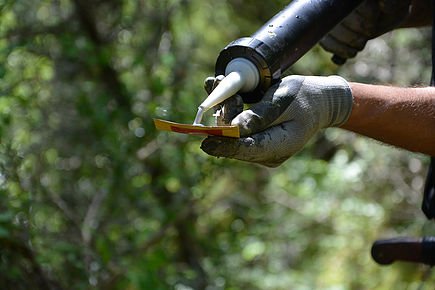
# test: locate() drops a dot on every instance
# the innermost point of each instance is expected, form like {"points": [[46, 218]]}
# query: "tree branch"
{"points": [[108, 74]]}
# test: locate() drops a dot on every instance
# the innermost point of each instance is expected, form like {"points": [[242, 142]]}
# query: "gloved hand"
{"points": [[369, 20], [289, 114]]}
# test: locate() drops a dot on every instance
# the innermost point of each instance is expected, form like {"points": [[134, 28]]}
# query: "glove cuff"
{"points": [[341, 101], [334, 99]]}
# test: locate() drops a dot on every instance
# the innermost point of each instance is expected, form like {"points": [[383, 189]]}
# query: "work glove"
{"points": [[369, 20], [289, 114]]}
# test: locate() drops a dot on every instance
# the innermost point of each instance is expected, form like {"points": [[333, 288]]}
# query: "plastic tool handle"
{"points": [[405, 249]]}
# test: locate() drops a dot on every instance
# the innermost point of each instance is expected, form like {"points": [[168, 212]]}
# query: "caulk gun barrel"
{"points": [[284, 39]]}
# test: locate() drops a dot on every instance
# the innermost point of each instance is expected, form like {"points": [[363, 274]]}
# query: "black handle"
{"points": [[405, 249]]}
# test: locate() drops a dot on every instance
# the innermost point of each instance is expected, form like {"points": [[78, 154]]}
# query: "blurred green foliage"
{"points": [[92, 197]]}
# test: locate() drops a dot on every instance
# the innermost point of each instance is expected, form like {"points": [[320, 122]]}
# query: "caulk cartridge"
{"points": [[241, 75]]}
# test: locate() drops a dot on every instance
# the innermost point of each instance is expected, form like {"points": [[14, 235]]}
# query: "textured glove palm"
{"points": [[290, 113]]}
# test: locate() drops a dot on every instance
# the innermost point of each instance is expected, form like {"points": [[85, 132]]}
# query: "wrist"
{"points": [[334, 99]]}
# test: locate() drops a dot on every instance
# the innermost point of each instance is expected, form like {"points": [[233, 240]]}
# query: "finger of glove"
{"points": [[351, 35], [271, 108], [269, 148], [393, 13], [394, 6], [210, 83], [364, 18], [229, 109], [352, 39], [375, 17], [337, 47]]}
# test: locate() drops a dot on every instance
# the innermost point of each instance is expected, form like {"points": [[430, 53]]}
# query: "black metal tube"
{"points": [[284, 39]]}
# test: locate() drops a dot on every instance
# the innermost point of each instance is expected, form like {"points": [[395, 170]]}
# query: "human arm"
{"points": [[402, 117], [294, 110]]}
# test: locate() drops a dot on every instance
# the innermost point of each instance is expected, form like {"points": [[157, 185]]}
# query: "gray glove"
{"points": [[369, 20], [289, 114]]}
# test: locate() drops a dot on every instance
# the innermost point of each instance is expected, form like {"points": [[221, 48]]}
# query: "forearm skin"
{"points": [[402, 117]]}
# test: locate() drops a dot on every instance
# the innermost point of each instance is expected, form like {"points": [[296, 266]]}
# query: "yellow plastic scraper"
{"points": [[227, 131]]}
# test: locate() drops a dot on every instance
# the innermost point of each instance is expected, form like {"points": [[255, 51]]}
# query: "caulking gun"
{"points": [[252, 64]]}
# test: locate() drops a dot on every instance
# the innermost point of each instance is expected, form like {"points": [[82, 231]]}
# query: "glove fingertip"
{"points": [[208, 84], [243, 122], [332, 45], [338, 60], [219, 146]]}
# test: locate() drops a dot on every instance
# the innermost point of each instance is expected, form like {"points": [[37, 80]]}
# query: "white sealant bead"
{"points": [[199, 116], [248, 72]]}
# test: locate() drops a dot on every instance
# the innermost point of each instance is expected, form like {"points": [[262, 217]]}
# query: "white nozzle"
{"points": [[241, 75], [248, 71]]}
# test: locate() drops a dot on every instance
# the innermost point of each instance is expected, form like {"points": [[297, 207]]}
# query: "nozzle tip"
{"points": [[198, 117]]}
